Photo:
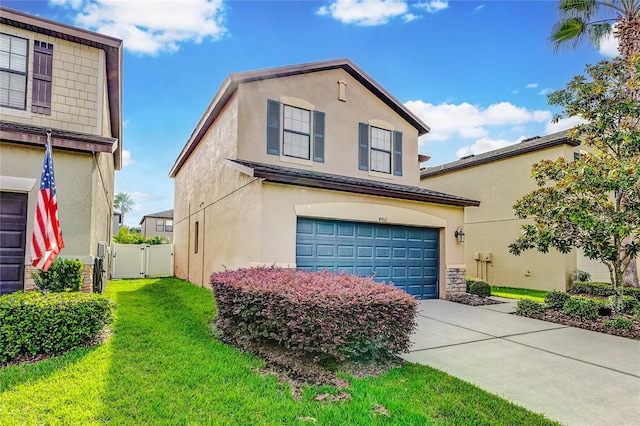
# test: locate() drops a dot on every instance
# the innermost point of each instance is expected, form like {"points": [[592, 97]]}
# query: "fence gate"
{"points": [[141, 260]]}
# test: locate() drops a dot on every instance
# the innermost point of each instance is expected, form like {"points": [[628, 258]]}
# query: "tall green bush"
{"points": [[62, 275]]}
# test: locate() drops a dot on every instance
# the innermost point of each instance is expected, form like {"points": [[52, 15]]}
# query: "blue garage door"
{"points": [[406, 256]]}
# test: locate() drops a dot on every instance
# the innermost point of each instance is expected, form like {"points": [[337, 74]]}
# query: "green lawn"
{"points": [[161, 367], [519, 293]]}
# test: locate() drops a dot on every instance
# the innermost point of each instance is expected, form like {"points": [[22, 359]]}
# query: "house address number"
{"points": [[382, 219]]}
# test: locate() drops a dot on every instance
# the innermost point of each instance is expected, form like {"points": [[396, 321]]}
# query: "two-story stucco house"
{"points": [[498, 179], [313, 166], [54, 76], [159, 224]]}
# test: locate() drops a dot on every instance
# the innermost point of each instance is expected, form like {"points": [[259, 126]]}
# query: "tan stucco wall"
{"points": [[492, 226], [102, 191], [341, 123], [78, 97], [84, 219]]}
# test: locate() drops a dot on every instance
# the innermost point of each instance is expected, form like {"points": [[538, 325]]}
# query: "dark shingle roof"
{"points": [[528, 145], [165, 214], [313, 179]]}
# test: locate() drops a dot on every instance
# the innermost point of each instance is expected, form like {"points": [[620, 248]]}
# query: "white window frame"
{"points": [[293, 127], [13, 70], [376, 151]]}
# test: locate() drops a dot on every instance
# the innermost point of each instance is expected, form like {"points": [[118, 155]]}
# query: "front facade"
{"points": [[158, 224], [68, 80], [498, 179], [313, 166]]}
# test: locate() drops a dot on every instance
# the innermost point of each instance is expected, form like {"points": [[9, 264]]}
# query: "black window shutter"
{"points": [[397, 153], [363, 146], [273, 127], [318, 136], [42, 77]]}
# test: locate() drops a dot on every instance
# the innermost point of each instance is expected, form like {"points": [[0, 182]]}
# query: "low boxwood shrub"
{"points": [[480, 288], [555, 299], [602, 289], [469, 281], [582, 307], [620, 322], [62, 275], [629, 304], [321, 315], [50, 323], [526, 307]]}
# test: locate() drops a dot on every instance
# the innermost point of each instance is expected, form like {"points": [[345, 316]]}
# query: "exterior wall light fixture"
{"points": [[460, 234]]}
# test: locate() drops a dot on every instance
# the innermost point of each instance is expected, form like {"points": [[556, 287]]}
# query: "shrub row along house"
{"points": [[314, 166], [54, 76]]}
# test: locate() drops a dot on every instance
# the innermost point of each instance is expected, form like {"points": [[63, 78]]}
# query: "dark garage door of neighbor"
{"points": [[404, 255], [13, 227]]}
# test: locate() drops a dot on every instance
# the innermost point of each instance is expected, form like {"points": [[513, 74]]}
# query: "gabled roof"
{"points": [[113, 54], [230, 85], [165, 214], [312, 179], [528, 145]]}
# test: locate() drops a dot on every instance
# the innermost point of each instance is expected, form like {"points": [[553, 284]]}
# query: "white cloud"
{"points": [[479, 8], [484, 145], [608, 46], [531, 85], [149, 26], [365, 12], [433, 6], [409, 17], [470, 121], [126, 158], [545, 91], [563, 124]]}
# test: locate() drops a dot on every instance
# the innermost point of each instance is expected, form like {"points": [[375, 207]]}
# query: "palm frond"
{"points": [[568, 31], [598, 31], [579, 8]]}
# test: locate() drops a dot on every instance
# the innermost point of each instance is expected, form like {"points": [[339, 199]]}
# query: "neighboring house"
{"points": [[498, 179], [313, 166], [158, 224], [117, 222], [54, 76]]}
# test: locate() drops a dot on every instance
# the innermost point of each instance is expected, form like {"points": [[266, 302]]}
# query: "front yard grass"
{"points": [[162, 367], [519, 293]]}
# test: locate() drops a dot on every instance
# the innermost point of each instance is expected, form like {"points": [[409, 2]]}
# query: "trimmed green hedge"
{"points": [[526, 307], [50, 323], [480, 288], [582, 307], [601, 289], [62, 275]]}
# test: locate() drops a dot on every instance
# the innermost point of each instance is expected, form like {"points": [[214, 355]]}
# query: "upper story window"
{"points": [[164, 225], [13, 71], [379, 150], [296, 140], [295, 132]]}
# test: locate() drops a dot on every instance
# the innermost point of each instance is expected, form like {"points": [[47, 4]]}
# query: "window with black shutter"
{"points": [[302, 135], [42, 77]]}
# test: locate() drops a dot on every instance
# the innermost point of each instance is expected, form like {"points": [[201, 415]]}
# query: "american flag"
{"points": [[46, 241]]}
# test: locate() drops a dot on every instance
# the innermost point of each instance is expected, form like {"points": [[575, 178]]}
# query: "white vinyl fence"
{"points": [[141, 260]]}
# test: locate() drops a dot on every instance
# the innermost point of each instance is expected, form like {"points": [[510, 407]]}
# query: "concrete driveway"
{"points": [[574, 376]]}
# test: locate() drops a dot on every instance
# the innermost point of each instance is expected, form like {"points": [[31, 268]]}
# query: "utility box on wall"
{"points": [[487, 256]]}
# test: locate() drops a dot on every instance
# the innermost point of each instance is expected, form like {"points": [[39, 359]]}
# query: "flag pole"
{"points": [[46, 241]]}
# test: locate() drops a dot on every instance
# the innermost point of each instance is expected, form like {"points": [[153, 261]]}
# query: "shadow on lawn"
{"points": [[14, 375], [165, 367]]}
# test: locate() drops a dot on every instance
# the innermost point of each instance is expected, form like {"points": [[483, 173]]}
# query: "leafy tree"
{"points": [[123, 202], [126, 237], [592, 203], [581, 19]]}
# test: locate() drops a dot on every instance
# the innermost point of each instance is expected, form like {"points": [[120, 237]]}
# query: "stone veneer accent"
{"points": [[87, 278], [456, 280]]}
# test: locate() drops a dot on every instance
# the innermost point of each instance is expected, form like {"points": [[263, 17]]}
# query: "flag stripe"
{"points": [[46, 241]]}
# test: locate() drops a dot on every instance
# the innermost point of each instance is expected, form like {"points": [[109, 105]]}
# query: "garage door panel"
{"points": [[13, 227], [404, 256]]}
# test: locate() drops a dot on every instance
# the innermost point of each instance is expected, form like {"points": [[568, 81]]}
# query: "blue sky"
{"points": [[477, 72]]}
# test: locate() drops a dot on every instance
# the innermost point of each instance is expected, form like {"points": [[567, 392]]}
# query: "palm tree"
{"points": [[123, 202], [578, 21]]}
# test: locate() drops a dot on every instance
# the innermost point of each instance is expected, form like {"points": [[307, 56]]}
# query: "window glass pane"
{"points": [[4, 60], [168, 226], [296, 145], [380, 139], [5, 42], [159, 225], [19, 46], [296, 119], [4, 80], [380, 161], [4, 96], [17, 92]]}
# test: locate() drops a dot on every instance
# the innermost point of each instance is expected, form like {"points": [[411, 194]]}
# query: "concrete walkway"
{"points": [[574, 376]]}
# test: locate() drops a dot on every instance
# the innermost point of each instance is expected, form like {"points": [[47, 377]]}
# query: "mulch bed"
{"points": [[559, 317]]}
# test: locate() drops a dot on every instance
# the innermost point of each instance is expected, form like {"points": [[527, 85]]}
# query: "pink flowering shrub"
{"points": [[319, 314]]}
